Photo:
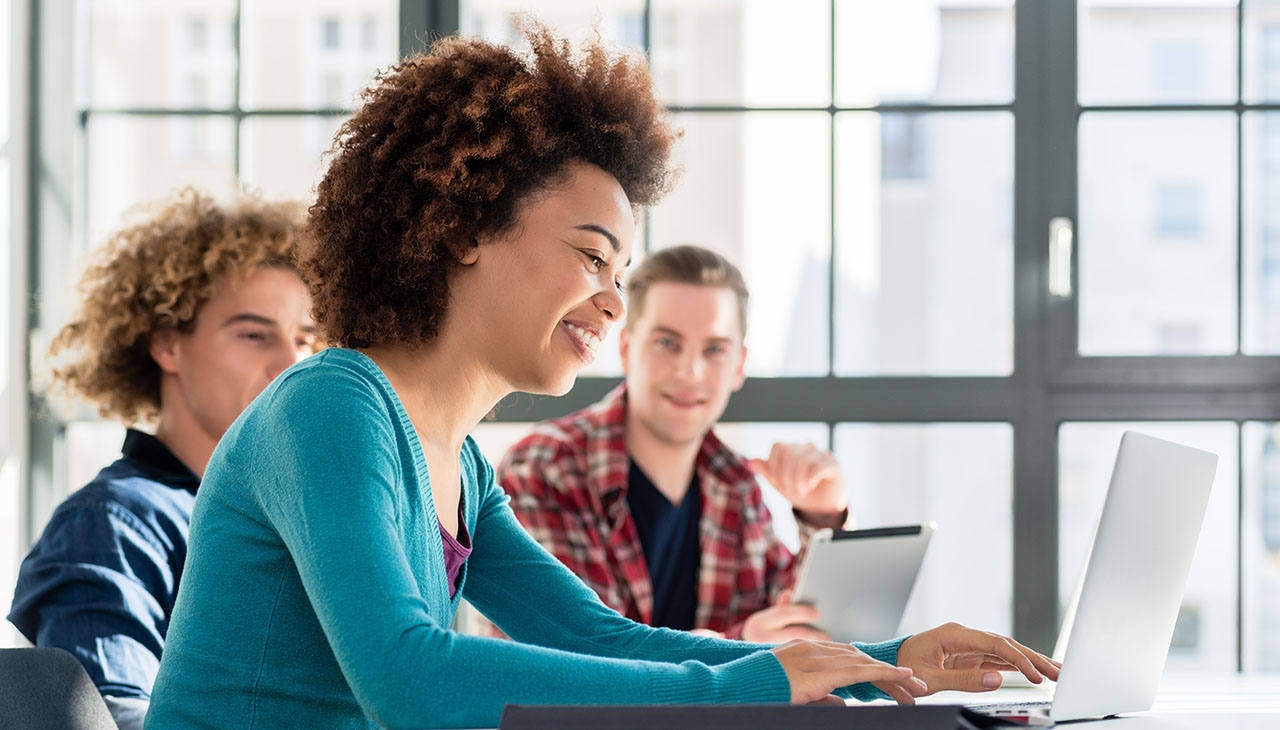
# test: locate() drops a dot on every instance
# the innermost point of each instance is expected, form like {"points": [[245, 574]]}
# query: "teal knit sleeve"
{"points": [[885, 651], [535, 599], [334, 503]]}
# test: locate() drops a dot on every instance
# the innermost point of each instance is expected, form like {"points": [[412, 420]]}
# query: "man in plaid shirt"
{"points": [[636, 494]]}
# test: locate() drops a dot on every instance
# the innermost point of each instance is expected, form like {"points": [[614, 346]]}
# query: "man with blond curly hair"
{"points": [[187, 315]]}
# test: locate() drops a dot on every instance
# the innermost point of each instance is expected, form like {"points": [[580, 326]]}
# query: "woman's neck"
{"points": [[444, 392]]}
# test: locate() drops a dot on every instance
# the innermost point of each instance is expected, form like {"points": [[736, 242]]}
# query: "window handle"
{"points": [[1061, 239]]}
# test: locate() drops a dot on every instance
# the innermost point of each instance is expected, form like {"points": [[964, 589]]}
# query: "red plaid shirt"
{"points": [[568, 486]]}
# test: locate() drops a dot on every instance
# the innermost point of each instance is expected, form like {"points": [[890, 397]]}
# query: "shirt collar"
{"points": [[150, 455], [606, 447]]}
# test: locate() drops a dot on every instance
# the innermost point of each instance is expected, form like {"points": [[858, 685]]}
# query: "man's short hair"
{"points": [[685, 265]]}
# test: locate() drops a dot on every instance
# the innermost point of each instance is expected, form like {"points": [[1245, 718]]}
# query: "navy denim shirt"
{"points": [[101, 581]]}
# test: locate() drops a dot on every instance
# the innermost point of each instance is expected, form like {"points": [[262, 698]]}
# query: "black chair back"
{"points": [[47, 689]]}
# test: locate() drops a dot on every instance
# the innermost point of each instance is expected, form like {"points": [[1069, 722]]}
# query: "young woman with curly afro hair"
{"points": [[468, 241]]}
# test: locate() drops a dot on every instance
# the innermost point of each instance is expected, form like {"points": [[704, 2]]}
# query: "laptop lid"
{"points": [[1069, 615], [1135, 577]]}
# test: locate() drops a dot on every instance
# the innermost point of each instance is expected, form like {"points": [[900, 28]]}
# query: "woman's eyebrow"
{"points": [[613, 240]]}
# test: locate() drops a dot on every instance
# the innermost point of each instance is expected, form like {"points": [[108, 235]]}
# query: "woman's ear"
{"points": [[469, 256]]}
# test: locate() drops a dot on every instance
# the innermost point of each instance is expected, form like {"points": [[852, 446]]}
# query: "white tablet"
{"points": [[860, 580]]}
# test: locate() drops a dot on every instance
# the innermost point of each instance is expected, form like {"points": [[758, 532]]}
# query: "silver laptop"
{"points": [[1117, 631]]}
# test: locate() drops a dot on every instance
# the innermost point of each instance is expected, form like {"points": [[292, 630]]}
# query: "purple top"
{"points": [[456, 551]]}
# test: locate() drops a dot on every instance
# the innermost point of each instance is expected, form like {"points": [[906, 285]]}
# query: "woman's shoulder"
{"points": [[331, 392], [334, 381], [333, 365]]}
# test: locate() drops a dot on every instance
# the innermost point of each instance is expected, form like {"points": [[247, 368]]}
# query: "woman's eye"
{"points": [[594, 261]]}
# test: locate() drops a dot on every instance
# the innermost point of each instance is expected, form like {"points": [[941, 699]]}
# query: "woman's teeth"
{"points": [[588, 338]]}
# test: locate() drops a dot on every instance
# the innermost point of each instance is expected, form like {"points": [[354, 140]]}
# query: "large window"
{"points": [[1206, 635], [886, 178], [218, 93], [1178, 244], [885, 173], [214, 94], [872, 214]]}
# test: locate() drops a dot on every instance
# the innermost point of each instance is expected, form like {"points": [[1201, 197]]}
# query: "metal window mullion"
{"points": [[210, 112], [52, 196], [1240, 546], [80, 218], [235, 90], [832, 253], [1239, 354], [942, 399], [1240, 333], [423, 20], [1236, 106], [646, 243], [1239, 233], [1240, 180], [836, 109], [820, 399], [1240, 51], [23, 252], [646, 31], [1179, 404], [1045, 116], [1228, 372]]}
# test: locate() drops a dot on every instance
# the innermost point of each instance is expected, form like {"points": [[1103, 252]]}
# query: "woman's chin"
{"points": [[557, 385], [564, 385]]}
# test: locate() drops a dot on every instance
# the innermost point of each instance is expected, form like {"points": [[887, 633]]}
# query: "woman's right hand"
{"points": [[816, 668]]}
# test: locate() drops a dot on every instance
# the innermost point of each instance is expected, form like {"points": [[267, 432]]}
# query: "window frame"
{"points": [[1050, 382]]}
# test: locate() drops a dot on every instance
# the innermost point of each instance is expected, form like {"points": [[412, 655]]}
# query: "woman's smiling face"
{"points": [[539, 299]]}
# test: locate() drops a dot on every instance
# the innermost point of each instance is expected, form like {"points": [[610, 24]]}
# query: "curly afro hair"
{"points": [[155, 274], [444, 151]]}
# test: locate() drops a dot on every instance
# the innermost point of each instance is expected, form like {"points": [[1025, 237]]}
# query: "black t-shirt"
{"points": [[669, 538]]}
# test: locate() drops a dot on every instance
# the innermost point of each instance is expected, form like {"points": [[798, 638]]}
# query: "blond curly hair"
{"points": [[156, 274]]}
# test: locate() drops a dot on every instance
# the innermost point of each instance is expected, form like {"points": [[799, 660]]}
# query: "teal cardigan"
{"points": [[314, 593]]}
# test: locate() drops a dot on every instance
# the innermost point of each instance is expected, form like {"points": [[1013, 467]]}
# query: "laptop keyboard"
{"points": [[1010, 706]]}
